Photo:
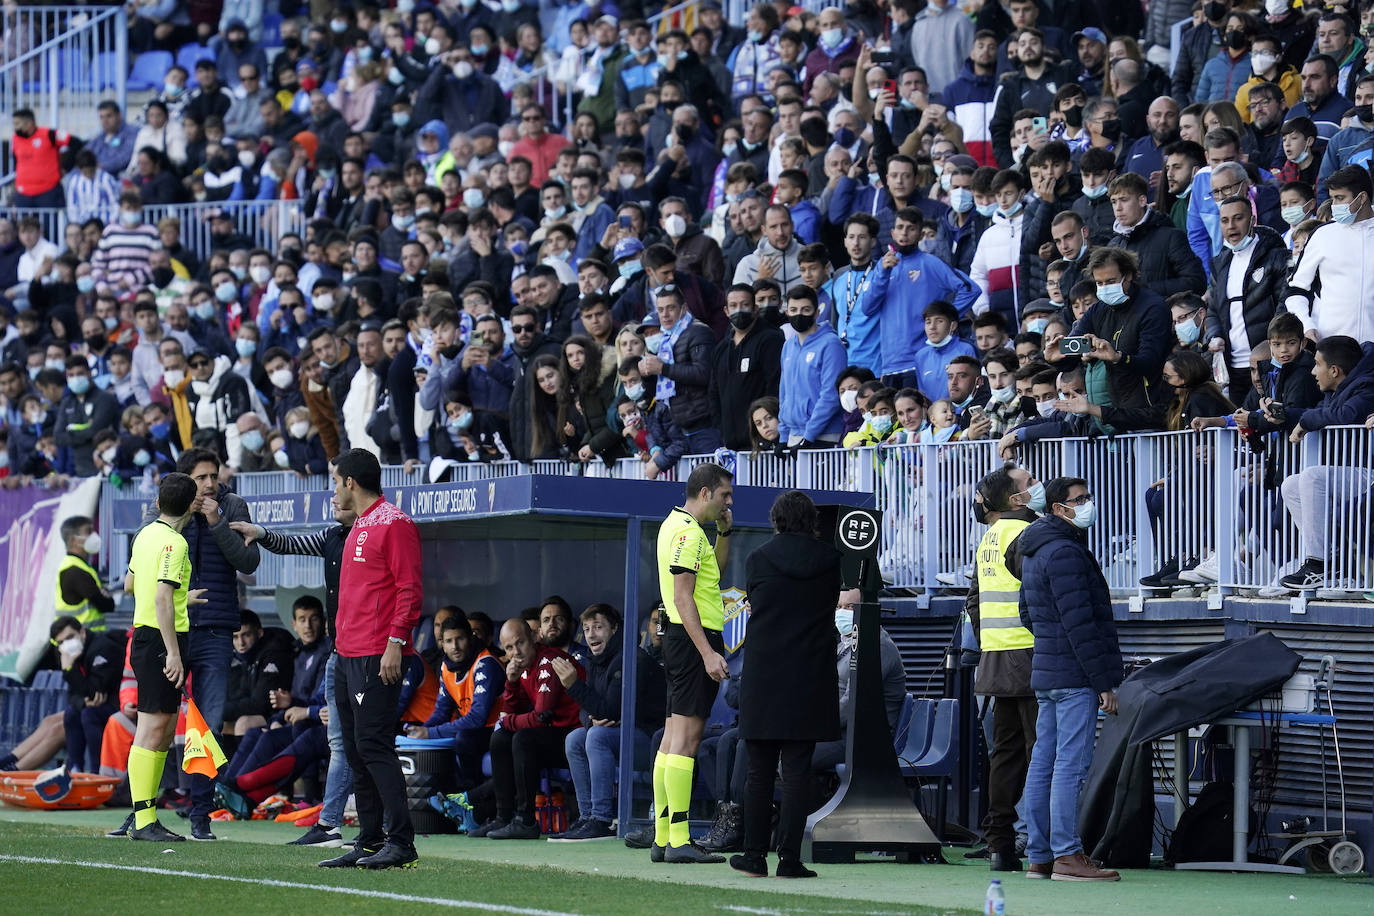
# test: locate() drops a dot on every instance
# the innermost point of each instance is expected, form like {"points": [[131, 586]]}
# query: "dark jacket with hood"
{"points": [[1291, 385], [1066, 604], [788, 690], [741, 375], [1262, 295], [690, 371], [1351, 402], [1167, 263], [520, 392], [1017, 91], [98, 670], [265, 667], [699, 254], [1140, 328], [599, 694]]}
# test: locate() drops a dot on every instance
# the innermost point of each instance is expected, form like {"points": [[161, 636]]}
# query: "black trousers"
{"points": [[517, 757], [758, 799], [1013, 736], [368, 718]]}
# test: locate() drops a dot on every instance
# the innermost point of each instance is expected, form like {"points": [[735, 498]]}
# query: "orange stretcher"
{"points": [[56, 790]]}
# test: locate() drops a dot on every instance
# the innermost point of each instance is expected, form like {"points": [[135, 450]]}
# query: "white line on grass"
{"points": [[269, 882]]}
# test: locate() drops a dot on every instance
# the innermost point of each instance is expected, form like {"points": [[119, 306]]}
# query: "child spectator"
{"points": [[633, 431], [121, 380], [36, 424], [850, 385], [1082, 297], [944, 423], [880, 421], [304, 451]]}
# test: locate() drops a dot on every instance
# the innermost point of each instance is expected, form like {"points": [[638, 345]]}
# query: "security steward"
{"points": [[1007, 500], [79, 592]]}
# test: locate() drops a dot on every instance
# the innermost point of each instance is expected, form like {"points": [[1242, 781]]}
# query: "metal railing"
{"points": [[262, 221], [1190, 496], [61, 61]]}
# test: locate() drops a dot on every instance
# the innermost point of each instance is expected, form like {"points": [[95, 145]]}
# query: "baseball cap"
{"points": [[1092, 32], [626, 248]]}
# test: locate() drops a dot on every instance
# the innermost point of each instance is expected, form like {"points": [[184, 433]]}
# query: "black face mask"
{"points": [[1111, 128], [684, 133], [980, 512], [802, 323], [772, 316], [162, 277], [451, 352], [291, 43], [1235, 40], [97, 342], [1073, 116], [1028, 408], [1214, 10], [905, 250], [1365, 113], [743, 320]]}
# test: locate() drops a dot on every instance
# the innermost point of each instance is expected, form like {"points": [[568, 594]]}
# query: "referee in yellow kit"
{"points": [[693, 650]]}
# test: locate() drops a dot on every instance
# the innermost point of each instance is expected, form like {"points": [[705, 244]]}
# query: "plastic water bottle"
{"points": [[994, 904]]}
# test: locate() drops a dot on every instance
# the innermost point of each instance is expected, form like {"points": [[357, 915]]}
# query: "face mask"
{"points": [[980, 512], [226, 292], [246, 158], [160, 430], [1214, 10], [300, 428], [832, 37], [1262, 62], [260, 274], [555, 213], [1003, 395], [986, 209], [945, 181], [873, 94], [1008, 214], [634, 392], [79, 384], [510, 6], [1242, 244], [97, 342], [1111, 294], [565, 255], [1343, 213], [473, 198], [338, 26], [675, 225], [460, 423], [85, 283], [281, 459], [281, 378], [39, 418], [728, 149], [742, 320], [926, 245], [93, 542], [651, 343], [239, 271], [171, 89], [961, 199], [402, 223], [849, 400], [1073, 116], [205, 311], [1037, 325], [1294, 214], [130, 218], [245, 347], [630, 420], [55, 364], [754, 36], [1276, 8], [1235, 40], [626, 180], [1094, 193], [881, 425], [462, 69], [1045, 408], [478, 50], [844, 620], [1084, 515], [1365, 113], [801, 323], [142, 458], [1187, 332], [432, 46], [172, 378], [1037, 497], [72, 646], [111, 323], [505, 148], [107, 456], [252, 440]]}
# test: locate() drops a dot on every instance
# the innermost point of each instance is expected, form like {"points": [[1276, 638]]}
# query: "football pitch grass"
{"points": [[58, 862]]}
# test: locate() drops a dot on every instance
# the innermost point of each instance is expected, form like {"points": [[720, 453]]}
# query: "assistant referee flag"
{"points": [[202, 753]]}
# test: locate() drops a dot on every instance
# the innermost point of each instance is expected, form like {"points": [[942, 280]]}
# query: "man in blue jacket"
{"points": [[908, 280], [1344, 371], [809, 414], [1075, 670]]}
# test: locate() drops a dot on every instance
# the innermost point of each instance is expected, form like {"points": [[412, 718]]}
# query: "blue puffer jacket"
{"points": [[1351, 403], [218, 555], [1066, 604]]}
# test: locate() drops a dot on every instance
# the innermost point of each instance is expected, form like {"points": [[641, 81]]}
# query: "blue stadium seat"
{"points": [[104, 71], [71, 71], [917, 732], [271, 31], [150, 70], [942, 754], [903, 723], [189, 54]]}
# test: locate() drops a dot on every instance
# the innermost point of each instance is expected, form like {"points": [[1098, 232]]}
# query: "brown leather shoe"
{"points": [[1040, 870], [1079, 867]]}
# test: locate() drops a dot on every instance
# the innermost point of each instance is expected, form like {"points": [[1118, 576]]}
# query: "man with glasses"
{"points": [[244, 117], [1267, 110], [538, 146], [1075, 669]]}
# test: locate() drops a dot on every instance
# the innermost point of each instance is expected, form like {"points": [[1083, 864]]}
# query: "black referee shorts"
{"points": [[148, 657], [691, 691]]}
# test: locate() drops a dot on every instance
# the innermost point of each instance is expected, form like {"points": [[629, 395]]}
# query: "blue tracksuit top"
{"points": [[901, 294], [810, 404], [931, 363], [858, 331]]}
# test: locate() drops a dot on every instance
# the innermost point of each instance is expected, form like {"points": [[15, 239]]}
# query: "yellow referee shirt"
{"points": [[160, 555], [683, 547]]}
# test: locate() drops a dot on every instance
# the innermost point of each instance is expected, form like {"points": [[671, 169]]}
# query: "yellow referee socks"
{"points": [[678, 782], [145, 773], [660, 799]]}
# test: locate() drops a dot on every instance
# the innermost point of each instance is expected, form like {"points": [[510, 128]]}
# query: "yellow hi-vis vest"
{"points": [[89, 617], [1000, 628]]}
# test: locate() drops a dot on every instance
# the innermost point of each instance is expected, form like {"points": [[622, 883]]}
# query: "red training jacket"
{"points": [[538, 691], [379, 582]]}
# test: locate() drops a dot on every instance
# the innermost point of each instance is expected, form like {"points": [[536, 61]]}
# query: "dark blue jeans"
{"points": [[209, 651], [85, 728]]}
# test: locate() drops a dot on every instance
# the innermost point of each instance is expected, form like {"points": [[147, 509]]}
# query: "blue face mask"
{"points": [[1343, 213], [881, 425], [226, 292], [986, 209], [160, 430], [205, 311], [1037, 325], [1188, 332], [1094, 193], [634, 392], [85, 283], [246, 347], [478, 50], [1037, 498], [629, 268], [1084, 515], [1008, 214], [252, 440], [961, 199], [79, 384], [844, 620], [1242, 244], [1111, 294]]}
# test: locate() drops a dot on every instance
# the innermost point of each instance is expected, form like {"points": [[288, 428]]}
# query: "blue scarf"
{"points": [[666, 386]]}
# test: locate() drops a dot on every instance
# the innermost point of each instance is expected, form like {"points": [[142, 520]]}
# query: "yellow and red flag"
{"points": [[202, 753]]}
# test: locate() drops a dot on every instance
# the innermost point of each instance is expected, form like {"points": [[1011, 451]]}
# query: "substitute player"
{"points": [[160, 569], [693, 650], [379, 605]]}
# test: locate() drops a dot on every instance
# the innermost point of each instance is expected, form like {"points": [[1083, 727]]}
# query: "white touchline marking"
{"points": [[269, 882]]}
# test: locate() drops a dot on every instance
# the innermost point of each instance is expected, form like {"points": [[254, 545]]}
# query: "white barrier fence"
{"points": [[1187, 496]]}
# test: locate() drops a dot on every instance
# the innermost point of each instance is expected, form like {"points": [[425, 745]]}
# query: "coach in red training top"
{"points": [[379, 605]]}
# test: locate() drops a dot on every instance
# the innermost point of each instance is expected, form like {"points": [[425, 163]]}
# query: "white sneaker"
{"points": [[1273, 591], [1208, 571]]}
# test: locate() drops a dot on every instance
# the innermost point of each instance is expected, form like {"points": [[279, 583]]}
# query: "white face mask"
{"points": [[173, 377], [675, 225], [1002, 395], [93, 542], [849, 400], [281, 378], [260, 274], [300, 428], [107, 456], [1045, 407], [246, 158]]}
